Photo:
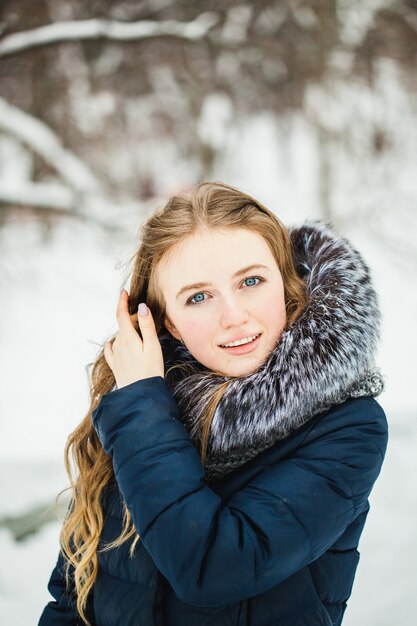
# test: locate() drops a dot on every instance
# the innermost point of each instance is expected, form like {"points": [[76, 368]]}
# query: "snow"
{"points": [[35, 482], [24, 575], [386, 581], [78, 30], [43, 195], [280, 168], [356, 18], [215, 119], [32, 131], [60, 307]]}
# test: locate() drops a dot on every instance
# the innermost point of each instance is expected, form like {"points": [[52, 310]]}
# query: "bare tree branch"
{"points": [[44, 142], [52, 200], [40, 195], [107, 29], [81, 195]]}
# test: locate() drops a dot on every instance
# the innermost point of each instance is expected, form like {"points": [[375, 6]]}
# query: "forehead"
{"points": [[204, 254]]}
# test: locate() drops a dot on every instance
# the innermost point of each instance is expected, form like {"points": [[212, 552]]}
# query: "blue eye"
{"points": [[250, 278], [201, 293]]}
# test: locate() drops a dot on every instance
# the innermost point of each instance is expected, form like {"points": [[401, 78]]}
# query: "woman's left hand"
{"points": [[129, 357]]}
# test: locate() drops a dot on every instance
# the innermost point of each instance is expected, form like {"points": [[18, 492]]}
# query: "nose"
{"points": [[232, 313]]}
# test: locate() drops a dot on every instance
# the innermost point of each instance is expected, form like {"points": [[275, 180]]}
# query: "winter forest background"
{"points": [[107, 108]]}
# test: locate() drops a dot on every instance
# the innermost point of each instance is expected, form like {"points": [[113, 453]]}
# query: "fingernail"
{"points": [[143, 309]]}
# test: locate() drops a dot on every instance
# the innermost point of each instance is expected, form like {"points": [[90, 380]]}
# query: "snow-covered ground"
{"points": [[384, 591], [58, 304], [26, 565]]}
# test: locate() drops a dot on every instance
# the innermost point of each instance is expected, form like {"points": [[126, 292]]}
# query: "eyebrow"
{"points": [[238, 273]]}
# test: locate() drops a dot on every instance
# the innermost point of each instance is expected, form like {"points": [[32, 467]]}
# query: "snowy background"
{"points": [[311, 110]]}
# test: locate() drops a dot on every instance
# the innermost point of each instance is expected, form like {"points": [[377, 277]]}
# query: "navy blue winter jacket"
{"points": [[271, 543]]}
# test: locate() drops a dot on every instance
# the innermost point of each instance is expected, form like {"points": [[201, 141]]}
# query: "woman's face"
{"points": [[231, 304]]}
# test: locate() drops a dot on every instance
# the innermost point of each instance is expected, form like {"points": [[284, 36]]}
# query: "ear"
{"points": [[171, 328]]}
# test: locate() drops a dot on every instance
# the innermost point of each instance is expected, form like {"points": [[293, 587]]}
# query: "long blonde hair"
{"points": [[208, 205]]}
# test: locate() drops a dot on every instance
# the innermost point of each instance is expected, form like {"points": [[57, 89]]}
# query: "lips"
{"points": [[221, 345], [244, 348]]}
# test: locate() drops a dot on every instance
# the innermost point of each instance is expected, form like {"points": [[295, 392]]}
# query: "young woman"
{"points": [[233, 437]]}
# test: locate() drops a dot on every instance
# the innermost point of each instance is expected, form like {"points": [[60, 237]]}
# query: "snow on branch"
{"points": [[43, 141], [37, 195], [55, 199], [107, 29], [78, 194]]}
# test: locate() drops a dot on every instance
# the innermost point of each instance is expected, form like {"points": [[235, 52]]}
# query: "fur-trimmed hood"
{"points": [[325, 357]]}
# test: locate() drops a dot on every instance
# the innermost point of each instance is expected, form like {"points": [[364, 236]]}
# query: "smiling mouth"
{"points": [[253, 337], [243, 347]]}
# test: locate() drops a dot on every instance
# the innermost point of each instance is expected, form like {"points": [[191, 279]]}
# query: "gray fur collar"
{"points": [[324, 358]]}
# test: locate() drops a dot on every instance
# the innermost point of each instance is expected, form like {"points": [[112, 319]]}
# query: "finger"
{"points": [[146, 322], [122, 313]]}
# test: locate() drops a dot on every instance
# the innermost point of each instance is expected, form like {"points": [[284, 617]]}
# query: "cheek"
{"points": [[274, 308], [196, 331]]}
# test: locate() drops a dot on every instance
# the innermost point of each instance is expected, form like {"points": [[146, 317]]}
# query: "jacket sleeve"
{"points": [[62, 610], [214, 554]]}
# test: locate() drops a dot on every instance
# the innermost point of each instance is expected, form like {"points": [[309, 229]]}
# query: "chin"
{"points": [[241, 369]]}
